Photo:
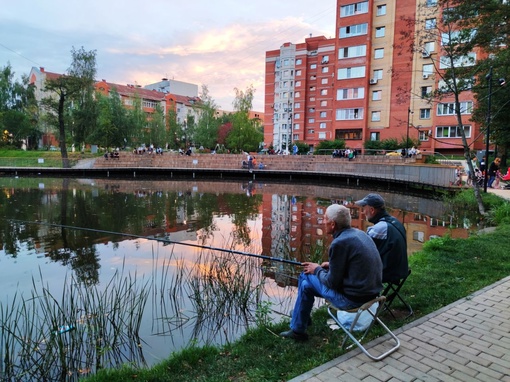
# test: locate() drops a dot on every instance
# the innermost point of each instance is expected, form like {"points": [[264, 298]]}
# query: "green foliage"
{"points": [[327, 147], [431, 159], [390, 144], [262, 314], [206, 134], [303, 147], [500, 214]]}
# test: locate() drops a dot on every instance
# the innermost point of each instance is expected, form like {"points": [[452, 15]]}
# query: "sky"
{"points": [[220, 44]]}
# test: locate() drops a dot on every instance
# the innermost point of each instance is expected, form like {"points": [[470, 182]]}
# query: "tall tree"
{"points": [[206, 133], [246, 133], [18, 109], [67, 88], [451, 62], [157, 128]]}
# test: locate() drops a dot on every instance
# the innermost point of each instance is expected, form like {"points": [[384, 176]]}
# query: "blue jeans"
{"points": [[310, 287], [491, 180]]}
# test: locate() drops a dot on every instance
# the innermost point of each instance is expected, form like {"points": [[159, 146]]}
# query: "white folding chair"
{"points": [[351, 334]]}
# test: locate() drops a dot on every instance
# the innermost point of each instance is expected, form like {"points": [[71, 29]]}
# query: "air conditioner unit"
{"points": [[425, 76], [373, 81]]}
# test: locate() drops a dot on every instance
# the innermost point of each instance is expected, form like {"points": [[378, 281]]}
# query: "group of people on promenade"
{"points": [[359, 263]]}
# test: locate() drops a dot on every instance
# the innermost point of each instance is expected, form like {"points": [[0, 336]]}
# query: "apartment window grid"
{"points": [[380, 32], [423, 136], [353, 30], [430, 23], [322, 135], [379, 53], [376, 95], [425, 113], [375, 136], [466, 107], [322, 125], [325, 69], [323, 114], [353, 72], [351, 93], [352, 51], [324, 81], [324, 92], [452, 131], [378, 74], [354, 9], [431, 3], [381, 10], [426, 91], [376, 116], [349, 134], [324, 103], [349, 114]]}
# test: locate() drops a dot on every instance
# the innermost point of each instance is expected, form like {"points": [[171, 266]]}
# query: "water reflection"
{"points": [[194, 295]]}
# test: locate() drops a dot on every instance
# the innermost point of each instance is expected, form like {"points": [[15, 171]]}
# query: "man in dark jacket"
{"points": [[351, 277], [389, 236]]}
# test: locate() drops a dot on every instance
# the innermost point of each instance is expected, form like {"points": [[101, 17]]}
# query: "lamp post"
{"points": [[409, 112], [487, 135]]}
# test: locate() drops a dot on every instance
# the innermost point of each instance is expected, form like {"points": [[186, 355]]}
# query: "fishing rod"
{"points": [[165, 241]]}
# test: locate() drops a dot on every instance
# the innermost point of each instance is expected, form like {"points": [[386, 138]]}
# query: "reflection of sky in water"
{"points": [[146, 258]]}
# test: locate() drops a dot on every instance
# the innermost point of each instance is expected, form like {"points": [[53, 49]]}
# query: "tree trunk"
{"points": [[62, 131]]}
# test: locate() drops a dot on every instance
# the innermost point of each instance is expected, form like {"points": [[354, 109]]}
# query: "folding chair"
{"points": [[352, 335], [391, 292]]}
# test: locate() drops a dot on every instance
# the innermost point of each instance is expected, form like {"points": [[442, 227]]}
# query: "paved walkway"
{"points": [[468, 340]]}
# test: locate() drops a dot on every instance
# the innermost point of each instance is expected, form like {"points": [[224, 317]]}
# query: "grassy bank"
{"points": [[38, 158], [444, 271]]}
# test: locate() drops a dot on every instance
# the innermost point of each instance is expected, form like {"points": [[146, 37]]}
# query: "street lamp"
{"points": [[487, 135], [409, 112], [501, 81]]}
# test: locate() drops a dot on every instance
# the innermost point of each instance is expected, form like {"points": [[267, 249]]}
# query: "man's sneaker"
{"points": [[295, 336]]}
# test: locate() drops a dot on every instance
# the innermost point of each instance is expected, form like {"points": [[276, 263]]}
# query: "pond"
{"points": [[100, 272]]}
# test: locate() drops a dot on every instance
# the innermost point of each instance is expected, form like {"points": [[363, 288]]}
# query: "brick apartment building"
{"points": [[366, 83]]}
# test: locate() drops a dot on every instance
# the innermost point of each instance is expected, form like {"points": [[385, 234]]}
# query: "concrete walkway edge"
{"points": [[468, 340]]}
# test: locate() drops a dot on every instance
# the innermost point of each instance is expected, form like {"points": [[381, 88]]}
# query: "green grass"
{"points": [[445, 271], [31, 158]]}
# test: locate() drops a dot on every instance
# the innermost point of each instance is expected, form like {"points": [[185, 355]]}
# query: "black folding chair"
{"points": [[392, 291]]}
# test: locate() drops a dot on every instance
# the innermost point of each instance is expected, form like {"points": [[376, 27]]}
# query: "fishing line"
{"points": [[165, 241]]}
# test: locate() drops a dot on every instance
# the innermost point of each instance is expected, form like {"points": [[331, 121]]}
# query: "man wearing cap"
{"points": [[350, 278], [389, 236]]}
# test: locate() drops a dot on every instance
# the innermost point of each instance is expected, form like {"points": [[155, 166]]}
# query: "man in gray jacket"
{"points": [[351, 277]]}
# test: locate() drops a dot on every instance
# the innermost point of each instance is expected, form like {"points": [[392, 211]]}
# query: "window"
{"points": [[376, 116], [322, 125], [353, 30], [353, 93], [380, 31], [311, 131], [424, 113], [298, 72], [297, 105], [348, 134], [322, 135], [311, 120], [381, 10], [296, 126], [324, 81], [354, 9], [297, 116], [354, 72], [378, 74], [461, 61], [430, 23], [428, 48], [379, 53], [323, 114], [299, 61], [376, 95], [426, 91], [295, 137], [452, 131], [325, 69], [297, 94], [466, 107], [298, 84], [349, 114], [324, 103], [431, 3], [352, 51], [423, 136], [313, 66], [324, 92], [427, 70], [325, 59], [375, 136]]}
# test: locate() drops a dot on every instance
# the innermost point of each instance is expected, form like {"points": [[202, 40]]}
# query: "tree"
{"points": [[454, 66], [206, 133], [18, 109], [111, 121], [246, 133], [67, 88], [174, 129], [157, 128]]}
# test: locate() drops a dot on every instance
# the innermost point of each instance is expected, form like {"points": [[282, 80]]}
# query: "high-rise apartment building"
{"points": [[371, 82]]}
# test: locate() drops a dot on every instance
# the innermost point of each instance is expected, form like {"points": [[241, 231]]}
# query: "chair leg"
{"points": [[350, 334]]}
